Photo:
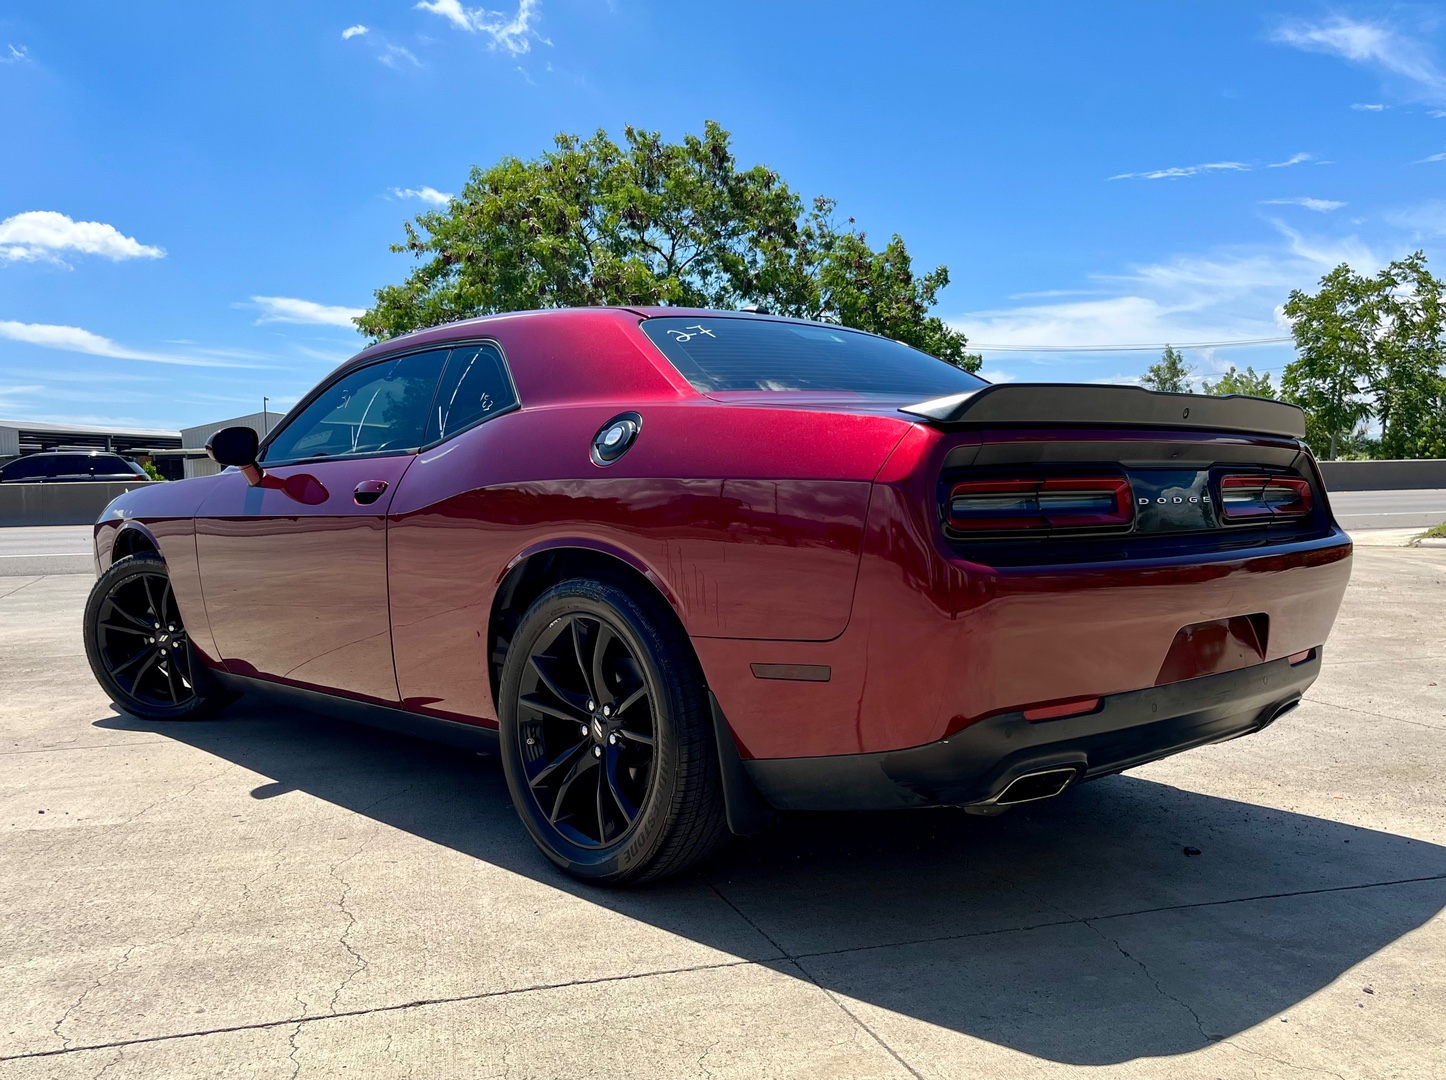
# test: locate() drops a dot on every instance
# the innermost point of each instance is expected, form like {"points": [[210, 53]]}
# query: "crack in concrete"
{"points": [[78, 1002], [112, 1063], [1118, 915], [27, 585], [859, 1022], [421, 1003], [359, 962], [1144, 969], [601, 980], [295, 1049], [808, 977], [1378, 716], [1279, 1061]]}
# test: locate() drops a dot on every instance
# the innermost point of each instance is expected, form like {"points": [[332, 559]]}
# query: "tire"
{"points": [[610, 758], [137, 645]]}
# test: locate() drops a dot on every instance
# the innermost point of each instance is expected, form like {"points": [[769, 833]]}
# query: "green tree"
{"points": [[1334, 331], [648, 223], [1244, 382], [1170, 374], [151, 470], [1409, 385]]}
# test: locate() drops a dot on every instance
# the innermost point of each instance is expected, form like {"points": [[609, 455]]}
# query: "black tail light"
{"points": [[1258, 498], [1040, 504]]}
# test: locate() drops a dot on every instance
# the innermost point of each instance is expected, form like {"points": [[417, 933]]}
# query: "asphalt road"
{"points": [[45, 549], [1389, 509], [65, 549], [270, 894]]}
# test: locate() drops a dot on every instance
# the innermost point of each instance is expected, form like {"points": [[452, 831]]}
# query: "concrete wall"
{"points": [[58, 504], [1384, 475]]}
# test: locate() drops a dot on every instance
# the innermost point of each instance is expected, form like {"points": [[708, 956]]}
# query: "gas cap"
{"points": [[615, 437]]}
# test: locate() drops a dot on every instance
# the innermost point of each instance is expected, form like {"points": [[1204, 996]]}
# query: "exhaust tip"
{"points": [[1034, 786]]}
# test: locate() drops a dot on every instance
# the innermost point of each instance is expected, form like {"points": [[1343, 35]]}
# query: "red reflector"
{"points": [[1040, 503], [1300, 657], [1065, 708], [1264, 498]]}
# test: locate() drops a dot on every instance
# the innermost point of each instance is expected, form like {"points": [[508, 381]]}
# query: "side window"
{"points": [[21, 469], [475, 386], [378, 409]]}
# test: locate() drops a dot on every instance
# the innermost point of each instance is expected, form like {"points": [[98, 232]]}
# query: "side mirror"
{"points": [[236, 446], [233, 446]]}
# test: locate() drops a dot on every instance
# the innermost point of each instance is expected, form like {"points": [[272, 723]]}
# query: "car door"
{"points": [[294, 570]]}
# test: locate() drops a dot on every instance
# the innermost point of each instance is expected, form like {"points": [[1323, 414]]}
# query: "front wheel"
{"points": [[137, 645], [606, 738]]}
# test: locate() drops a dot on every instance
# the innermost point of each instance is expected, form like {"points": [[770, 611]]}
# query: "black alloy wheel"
{"points": [[137, 645], [606, 737], [587, 726]]}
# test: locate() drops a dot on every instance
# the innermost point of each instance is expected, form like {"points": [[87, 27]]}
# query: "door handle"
{"points": [[369, 491]]}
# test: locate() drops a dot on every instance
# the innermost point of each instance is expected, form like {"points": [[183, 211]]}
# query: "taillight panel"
{"points": [[1254, 498], [1040, 504]]}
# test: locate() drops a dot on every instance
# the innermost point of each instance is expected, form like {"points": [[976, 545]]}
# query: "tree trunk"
{"points": [[1333, 446]]}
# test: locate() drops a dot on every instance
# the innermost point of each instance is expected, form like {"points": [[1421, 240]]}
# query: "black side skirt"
{"points": [[433, 728]]}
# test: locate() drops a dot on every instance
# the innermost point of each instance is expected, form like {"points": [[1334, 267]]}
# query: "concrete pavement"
{"points": [[272, 894]]}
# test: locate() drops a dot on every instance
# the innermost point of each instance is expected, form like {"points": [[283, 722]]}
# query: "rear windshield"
{"points": [[763, 354]]}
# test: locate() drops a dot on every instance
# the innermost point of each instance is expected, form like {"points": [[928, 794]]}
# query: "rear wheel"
{"points": [[606, 738], [137, 644]]}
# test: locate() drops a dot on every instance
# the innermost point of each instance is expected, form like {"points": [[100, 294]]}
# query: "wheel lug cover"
{"points": [[607, 710], [597, 751], [612, 740], [591, 704], [582, 729]]}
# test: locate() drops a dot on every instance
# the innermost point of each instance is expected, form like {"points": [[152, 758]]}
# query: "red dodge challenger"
{"points": [[683, 568]]}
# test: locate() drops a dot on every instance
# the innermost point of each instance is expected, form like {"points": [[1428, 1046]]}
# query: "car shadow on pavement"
{"points": [[1125, 919]]}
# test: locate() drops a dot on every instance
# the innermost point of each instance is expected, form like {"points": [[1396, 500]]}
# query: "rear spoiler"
{"points": [[1112, 406]]}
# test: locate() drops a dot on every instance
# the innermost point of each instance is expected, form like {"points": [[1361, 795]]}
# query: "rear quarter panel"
{"points": [[750, 520]]}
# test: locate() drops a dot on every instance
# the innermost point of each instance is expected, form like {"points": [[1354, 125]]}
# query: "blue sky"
{"points": [[194, 197]]}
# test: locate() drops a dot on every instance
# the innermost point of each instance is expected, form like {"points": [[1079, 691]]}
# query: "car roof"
{"points": [[465, 328], [73, 453]]}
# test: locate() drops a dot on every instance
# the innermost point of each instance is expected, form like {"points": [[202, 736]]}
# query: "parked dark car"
{"points": [[683, 568], [70, 466]]}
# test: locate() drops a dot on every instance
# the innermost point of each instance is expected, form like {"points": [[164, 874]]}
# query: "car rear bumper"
{"points": [[976, 765]]}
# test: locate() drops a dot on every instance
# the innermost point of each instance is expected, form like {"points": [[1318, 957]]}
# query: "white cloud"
{"points": [[1320, 206], [1184, 170], [1425, 219], [74, 339], [1373, 43], [1223, 295], [353, 31], [43, 234], [285, 309], [514, 33], [15, 55], [997, 376], [1433, 157], [426, 194], [1363, 107], [394, 55], [1294, 159]]}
